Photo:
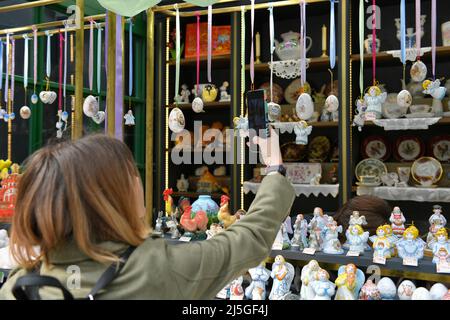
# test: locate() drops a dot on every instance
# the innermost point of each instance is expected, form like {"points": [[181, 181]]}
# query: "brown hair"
{"points": [[376, 211], [77, 190]]}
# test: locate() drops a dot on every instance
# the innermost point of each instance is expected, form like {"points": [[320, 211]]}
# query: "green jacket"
{"points": [[157, 270]]}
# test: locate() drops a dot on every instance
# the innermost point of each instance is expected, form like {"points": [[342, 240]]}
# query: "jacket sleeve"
{"points": [[201, 269]]}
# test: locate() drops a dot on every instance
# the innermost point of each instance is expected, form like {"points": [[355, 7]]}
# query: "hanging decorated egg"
{"points": [[404, 99], [209, 93], [34, 98], [47, 97], [197, 105], [418, 71], [421, 294], [59, 125], [25, 112], [99, 117], [332, 103], [274, 111], [304, 106], [176, 120], [90, 106], [64, 116]]}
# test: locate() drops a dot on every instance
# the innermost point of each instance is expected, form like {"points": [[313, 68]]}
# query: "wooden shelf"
{"points": [[192, 194], [386, 57], [220, 60], [321, 124], [316, 62], [443, 121], [206, 106]]}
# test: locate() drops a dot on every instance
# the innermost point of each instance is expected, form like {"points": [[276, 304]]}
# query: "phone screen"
{"points": [[257, 114]]}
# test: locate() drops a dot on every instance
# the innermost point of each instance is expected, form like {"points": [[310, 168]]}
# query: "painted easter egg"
{"points": [[404, 98]]}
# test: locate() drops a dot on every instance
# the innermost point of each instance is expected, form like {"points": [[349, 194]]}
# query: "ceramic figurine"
{"points": [[241, 125], [368, 43], [381, 244], [397, 220], [437, 221], [185, 93], [392, 239], [182, 184], [300, 239], [169, 204], [349, 282], [411, 245], [282, 274], [315, 181], [438, 291], [435, 89], [331, 244], [356, 238], [193, 224], [323, 288], [441, 247], [129, 118], [355, 218], [158, 225], [369, 291], [286, 228], [183, 203], [224, 96], [374, 100], [359, 118], [387, 288], [175, 234], [257, 288], [307, 276], [405, 290], [236, 290], [213, 230], [302, 131], [317, 229]]}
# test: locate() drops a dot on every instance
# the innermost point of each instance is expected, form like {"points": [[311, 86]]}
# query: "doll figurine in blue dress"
{"points": [[257, 288], [441, 247], [411, 246], [382, 245], [282, 273], [323, 288]]}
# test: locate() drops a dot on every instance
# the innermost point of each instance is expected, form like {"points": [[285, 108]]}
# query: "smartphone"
{"points": [[258, 121]]}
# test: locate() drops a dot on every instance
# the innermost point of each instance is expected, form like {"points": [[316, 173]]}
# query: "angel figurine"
{"points": [[302, 131], [381, 244], [331, 244], [257, 288], [437, 221], [282, 274], [356, 239], [286, 229], [349, 282], [435, 89], [236, 290], [317, 229], [323, 288], [224, 96], [397, 220], [441, 247], [374, 99], [129, 118], [308, 275], [359, 118], [241, 125], [411, 246], [355, 218], [300, 239]]}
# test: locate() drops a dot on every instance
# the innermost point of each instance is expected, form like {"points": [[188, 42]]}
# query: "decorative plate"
{"points": [[427, 169], [319, 149], [176, 120], [277, 92], [440, 148], [293, 91], [408, 148], [292, 152], [370, 167], [376, 147]]}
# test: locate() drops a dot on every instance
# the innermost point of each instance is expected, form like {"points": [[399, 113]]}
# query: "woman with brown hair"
{"points": [[81, 202]]}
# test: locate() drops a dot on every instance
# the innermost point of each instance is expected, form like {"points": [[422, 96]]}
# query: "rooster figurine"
{"points": [[198, 223], [170, 208], [224, 215]]}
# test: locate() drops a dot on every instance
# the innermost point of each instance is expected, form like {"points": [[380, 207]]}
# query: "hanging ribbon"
{"points": [[65, 65], [272, 48], [7, 67], [303, 43], [130, 60], [178, 52], [252, 54], [13, 69], [403, 31], [119, 81], [374, 38], [1, 66], [60, 71], [332, 36], [418, 29], [35, 44], [361, 47], [48, 67], [433, 37], [99, 61], [91, 54], [25, 64], [198, 54], [209, 42], [106, 66]]}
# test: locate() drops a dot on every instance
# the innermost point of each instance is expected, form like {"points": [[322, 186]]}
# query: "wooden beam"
{"points": [[77, 122], [111, 74]]}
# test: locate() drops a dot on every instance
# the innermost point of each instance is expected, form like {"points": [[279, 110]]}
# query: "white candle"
{"points": [[324, 38], [258, 44]]}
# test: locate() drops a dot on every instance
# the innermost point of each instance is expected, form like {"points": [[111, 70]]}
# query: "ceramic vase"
{"points": [[207, 204]]}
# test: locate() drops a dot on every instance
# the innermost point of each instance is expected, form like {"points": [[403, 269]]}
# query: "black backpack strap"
{"points": [[108, 276], [26, 287]]}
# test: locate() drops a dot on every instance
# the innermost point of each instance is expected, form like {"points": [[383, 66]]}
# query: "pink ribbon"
{"points": [[433, 37], [61, 40], [303, 43], [198, 53], [418, 29], [35, 43], [91, 54], [119, 81], [374, 38], [209, 42]]}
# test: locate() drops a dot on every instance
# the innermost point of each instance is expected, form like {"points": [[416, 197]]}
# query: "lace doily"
{"points": [[407, 194], [406, 123], [288, 69], [411, 53], [300, 189]]}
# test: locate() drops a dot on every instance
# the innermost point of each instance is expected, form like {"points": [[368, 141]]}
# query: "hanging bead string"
{"points": [[374, 37], [361, 48], [25, 66], [433, 38]]}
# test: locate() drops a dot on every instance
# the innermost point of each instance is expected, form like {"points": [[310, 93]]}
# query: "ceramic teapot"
{"points": [[290, 49]]}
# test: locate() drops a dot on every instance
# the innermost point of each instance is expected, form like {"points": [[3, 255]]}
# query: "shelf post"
{"points": [[77, 122]]}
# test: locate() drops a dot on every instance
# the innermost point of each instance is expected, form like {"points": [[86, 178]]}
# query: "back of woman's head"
{"points": [[375, 210], [81, 191]]}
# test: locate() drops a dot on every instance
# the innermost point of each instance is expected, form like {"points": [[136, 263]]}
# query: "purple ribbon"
{"points": [[119, 81], [106, 67], [13, 67], [433, 37]]}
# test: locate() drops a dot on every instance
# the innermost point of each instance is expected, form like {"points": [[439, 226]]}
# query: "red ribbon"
{"points": [[374, 37], [61, 40], [198, 53]]}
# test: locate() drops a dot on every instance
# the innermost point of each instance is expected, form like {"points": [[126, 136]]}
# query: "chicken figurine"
{"points": [[198, 223], [224, 215], [170, 207]]}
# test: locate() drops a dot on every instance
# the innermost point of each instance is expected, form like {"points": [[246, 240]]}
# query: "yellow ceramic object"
{"points": [[209, 93]]}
